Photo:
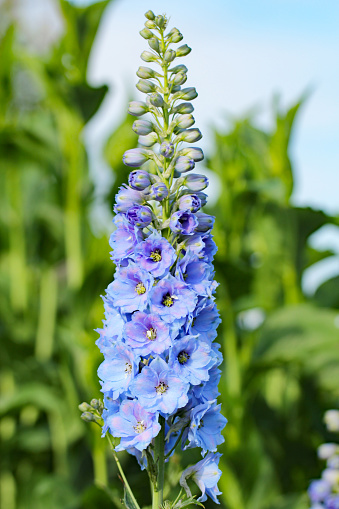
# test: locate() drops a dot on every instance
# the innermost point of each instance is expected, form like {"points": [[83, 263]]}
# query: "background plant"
{"points": [[279, 377]]}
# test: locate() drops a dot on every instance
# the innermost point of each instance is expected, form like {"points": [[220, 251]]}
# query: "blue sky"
{"points": [[244, 52]]}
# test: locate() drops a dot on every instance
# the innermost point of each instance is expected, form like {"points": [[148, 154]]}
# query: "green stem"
{"points": [[123, 477], [159, 458], [176, 443]]}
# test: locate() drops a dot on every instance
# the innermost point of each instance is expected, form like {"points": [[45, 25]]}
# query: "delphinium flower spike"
{"points": [[324, 492], [161, 369]]}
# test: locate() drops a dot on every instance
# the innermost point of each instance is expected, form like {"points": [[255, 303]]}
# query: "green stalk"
{"points": [[159, 458]]}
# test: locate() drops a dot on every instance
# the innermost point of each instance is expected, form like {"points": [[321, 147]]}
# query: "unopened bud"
{"points": [[135, 157], [137, 108], [169, 55], [142, 127], [189, 202], [158, 191], [179, 68], [139, 180], [179, 79], [154, 44], [196, 182], [146, 72], [183, 108], [87, 417], [202, 197], [184, 121], [150, 15], [205, 222], [189, 135], [156, 99], [176, 37], [84, 407], [184, 164], [146, 33], [166, 149], [332, 420], [150, 24], [160, 21], [146, 86], [193, 152], [187, 94], [183, 50], [149, 140], [147, 56], [95, 403]]}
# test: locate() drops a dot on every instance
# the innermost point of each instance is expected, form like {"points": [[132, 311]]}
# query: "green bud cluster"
{"points": [[92, 412]]}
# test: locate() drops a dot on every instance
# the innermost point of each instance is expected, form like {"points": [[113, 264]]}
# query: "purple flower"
{"points": [[134, 425], [318, 490], [136, 157], [139, 179], [126, 198], [155, 254], [183, 222], [190, 359], [205, 427], [139, 216], [206, 475], [124, 239], [172, 299], [205, 320], [196, 273], [159, 389], [166, 149], [189, 202], [332, 502], [117, 371], [131, 288], [147, 333]]}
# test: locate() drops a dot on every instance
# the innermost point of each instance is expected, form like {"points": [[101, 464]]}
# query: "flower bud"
{"points": [[87, 417], [176, 37], [183, 108], [185, 121], [95, 403], [139, 216], [184, 164], [205, 222], [139, 180], [189, 135], [156, 99], [187, 94], [146, 86], [332, 420], [169, 55], [154, 44], [183, 222], [179, 68], [150, 24], [202, 197], [189, 202], [142, 127], [325, 451], [150, 15], [196, 182], [158, 191], [149, 140], [84, 407], [146, 72], [146, 33], [135, 157], [179, 79], [183, 50], [137, 108], [194, 153], [160, 21], [126, 198], [166, 149], [147, 56]]}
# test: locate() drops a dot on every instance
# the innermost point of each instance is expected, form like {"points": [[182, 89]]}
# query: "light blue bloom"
{"points": [[118, 370], [190, 359], [131, 288], [155, 254], [206, 475], [172, 299], [205, 427], [147, 333]]}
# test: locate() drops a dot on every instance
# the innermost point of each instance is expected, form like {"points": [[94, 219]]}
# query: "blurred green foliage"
{"points": [[281, 367]]}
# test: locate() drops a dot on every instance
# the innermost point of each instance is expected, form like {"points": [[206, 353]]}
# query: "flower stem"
{"points": [[159, 447], [123, 477]]}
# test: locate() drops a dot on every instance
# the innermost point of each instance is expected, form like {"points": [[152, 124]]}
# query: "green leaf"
{"points": [[327, 295]]}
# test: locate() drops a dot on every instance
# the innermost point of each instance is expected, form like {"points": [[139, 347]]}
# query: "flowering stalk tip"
{"points": [[161, 369]]}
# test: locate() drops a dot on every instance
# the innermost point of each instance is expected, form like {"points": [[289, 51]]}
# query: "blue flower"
{"points": [[117, 371], [111, 333], [205, 320], [196, 273], [158, 191], [111, 407], [319, 490], [206, 475], [190, 359], [208, 391], [155, 254], [205, 427], [183, 222], [189, 202], [139, 216], [131, 288], [134, 425], [126, 198], [159, 389], [147, 333], [172, 299], [332, 502], [124, 239]]}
